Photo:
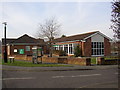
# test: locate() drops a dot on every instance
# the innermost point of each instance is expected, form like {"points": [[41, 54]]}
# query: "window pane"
{"points": [[97, 48], [66, 48], [92, 45], [92, 51], [102, 51], [102, 45], [27, 48]]}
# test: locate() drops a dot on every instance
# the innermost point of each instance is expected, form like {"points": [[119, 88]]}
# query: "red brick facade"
{"points": [[11, 51], [14, 45], [107, 47], [87, 48], [84, 40]]}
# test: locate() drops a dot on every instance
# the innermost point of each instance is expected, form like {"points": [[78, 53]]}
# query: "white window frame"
{"points": [[97, 48]]}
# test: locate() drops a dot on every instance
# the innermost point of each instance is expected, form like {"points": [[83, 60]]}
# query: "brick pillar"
{"points": [[87, 47], [88, 61], [107, 47], [100, 61]]}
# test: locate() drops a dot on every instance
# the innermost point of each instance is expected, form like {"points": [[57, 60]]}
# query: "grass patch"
{"points": [[111, 58], [93, 60], [30, 64]]}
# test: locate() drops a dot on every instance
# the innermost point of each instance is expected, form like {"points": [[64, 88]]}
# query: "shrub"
{"points": [[77, 51], [60, 52], [56, 52]]}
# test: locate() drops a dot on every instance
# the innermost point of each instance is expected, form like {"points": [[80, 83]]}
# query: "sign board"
{"points": [[21, 51], [15, 50]]}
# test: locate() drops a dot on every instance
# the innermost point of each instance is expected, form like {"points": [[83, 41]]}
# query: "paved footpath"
{"points": [[74, 68]]}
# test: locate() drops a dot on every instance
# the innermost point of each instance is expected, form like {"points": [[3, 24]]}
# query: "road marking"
{"points": [[76, 76], [17, 78], [93, 85]]}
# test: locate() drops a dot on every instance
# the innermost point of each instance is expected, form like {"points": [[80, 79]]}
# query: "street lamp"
{"points": [[5, 49]]}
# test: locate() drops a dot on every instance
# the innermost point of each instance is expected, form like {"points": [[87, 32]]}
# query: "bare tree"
{"points": [[116, 23], [116, 18], [49, 29]]}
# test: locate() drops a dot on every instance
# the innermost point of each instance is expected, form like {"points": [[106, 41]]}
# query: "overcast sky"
{"points": [[75, 17]]}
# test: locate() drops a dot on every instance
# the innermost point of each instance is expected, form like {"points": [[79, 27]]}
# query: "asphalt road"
{"points": [[100, 78]]}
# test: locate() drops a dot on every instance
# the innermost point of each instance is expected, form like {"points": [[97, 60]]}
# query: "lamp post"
{"points": [[5, 49]]}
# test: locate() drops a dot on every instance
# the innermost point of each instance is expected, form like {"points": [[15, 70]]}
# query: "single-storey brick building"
{"points": [[91, 44], [22, 45]]}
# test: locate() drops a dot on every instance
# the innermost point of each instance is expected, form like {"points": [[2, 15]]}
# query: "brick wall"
{"points": [[77, 61], [49, 59], [87, 48], [107, 47], [22, 47], [68, 60]]}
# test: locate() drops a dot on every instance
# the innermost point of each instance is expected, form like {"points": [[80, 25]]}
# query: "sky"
{"points": [[74, 17]]}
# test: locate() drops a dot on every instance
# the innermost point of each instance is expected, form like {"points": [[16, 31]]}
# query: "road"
{"points": [[100, 78]]}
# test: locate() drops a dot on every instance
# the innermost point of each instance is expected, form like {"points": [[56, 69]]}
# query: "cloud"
{"points": [[19, 20], [75, 17]]}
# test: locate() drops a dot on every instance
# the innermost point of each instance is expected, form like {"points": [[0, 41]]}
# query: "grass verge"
{"points": [[30, 64]]}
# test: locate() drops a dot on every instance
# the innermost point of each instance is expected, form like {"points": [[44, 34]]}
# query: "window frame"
{"points": [[27, 48], [97, 49]]}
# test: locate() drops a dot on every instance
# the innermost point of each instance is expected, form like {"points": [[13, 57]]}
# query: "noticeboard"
{"points": [[21, 51]]}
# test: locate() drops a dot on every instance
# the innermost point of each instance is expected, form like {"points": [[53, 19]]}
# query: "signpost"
{"points": [[37, 52]]}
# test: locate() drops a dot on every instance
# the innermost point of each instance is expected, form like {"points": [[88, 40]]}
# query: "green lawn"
{"points": [[93, 60], [30, 64], [108, 58]]}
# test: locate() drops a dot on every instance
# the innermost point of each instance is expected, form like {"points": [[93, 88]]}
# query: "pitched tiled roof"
{"points": [[27, 39], [74, 37], [8, 40], [23, 39]]}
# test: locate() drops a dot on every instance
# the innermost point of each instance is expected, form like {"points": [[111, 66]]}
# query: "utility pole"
{"points": [[5, 46]]}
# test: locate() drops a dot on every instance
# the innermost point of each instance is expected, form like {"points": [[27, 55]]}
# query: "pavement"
{"points": [[73, 68]]}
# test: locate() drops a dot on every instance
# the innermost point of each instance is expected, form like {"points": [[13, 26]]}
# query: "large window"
{"points": [[70, 48], [60, 47], [97, 48], [27, 48], [66, 48], [55, 47]]}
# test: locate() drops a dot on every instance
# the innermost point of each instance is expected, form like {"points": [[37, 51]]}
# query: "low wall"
{"points": [[77, 61], [102, 61], [62, 60], [49, 59], [112, 62], [22, 57]]}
